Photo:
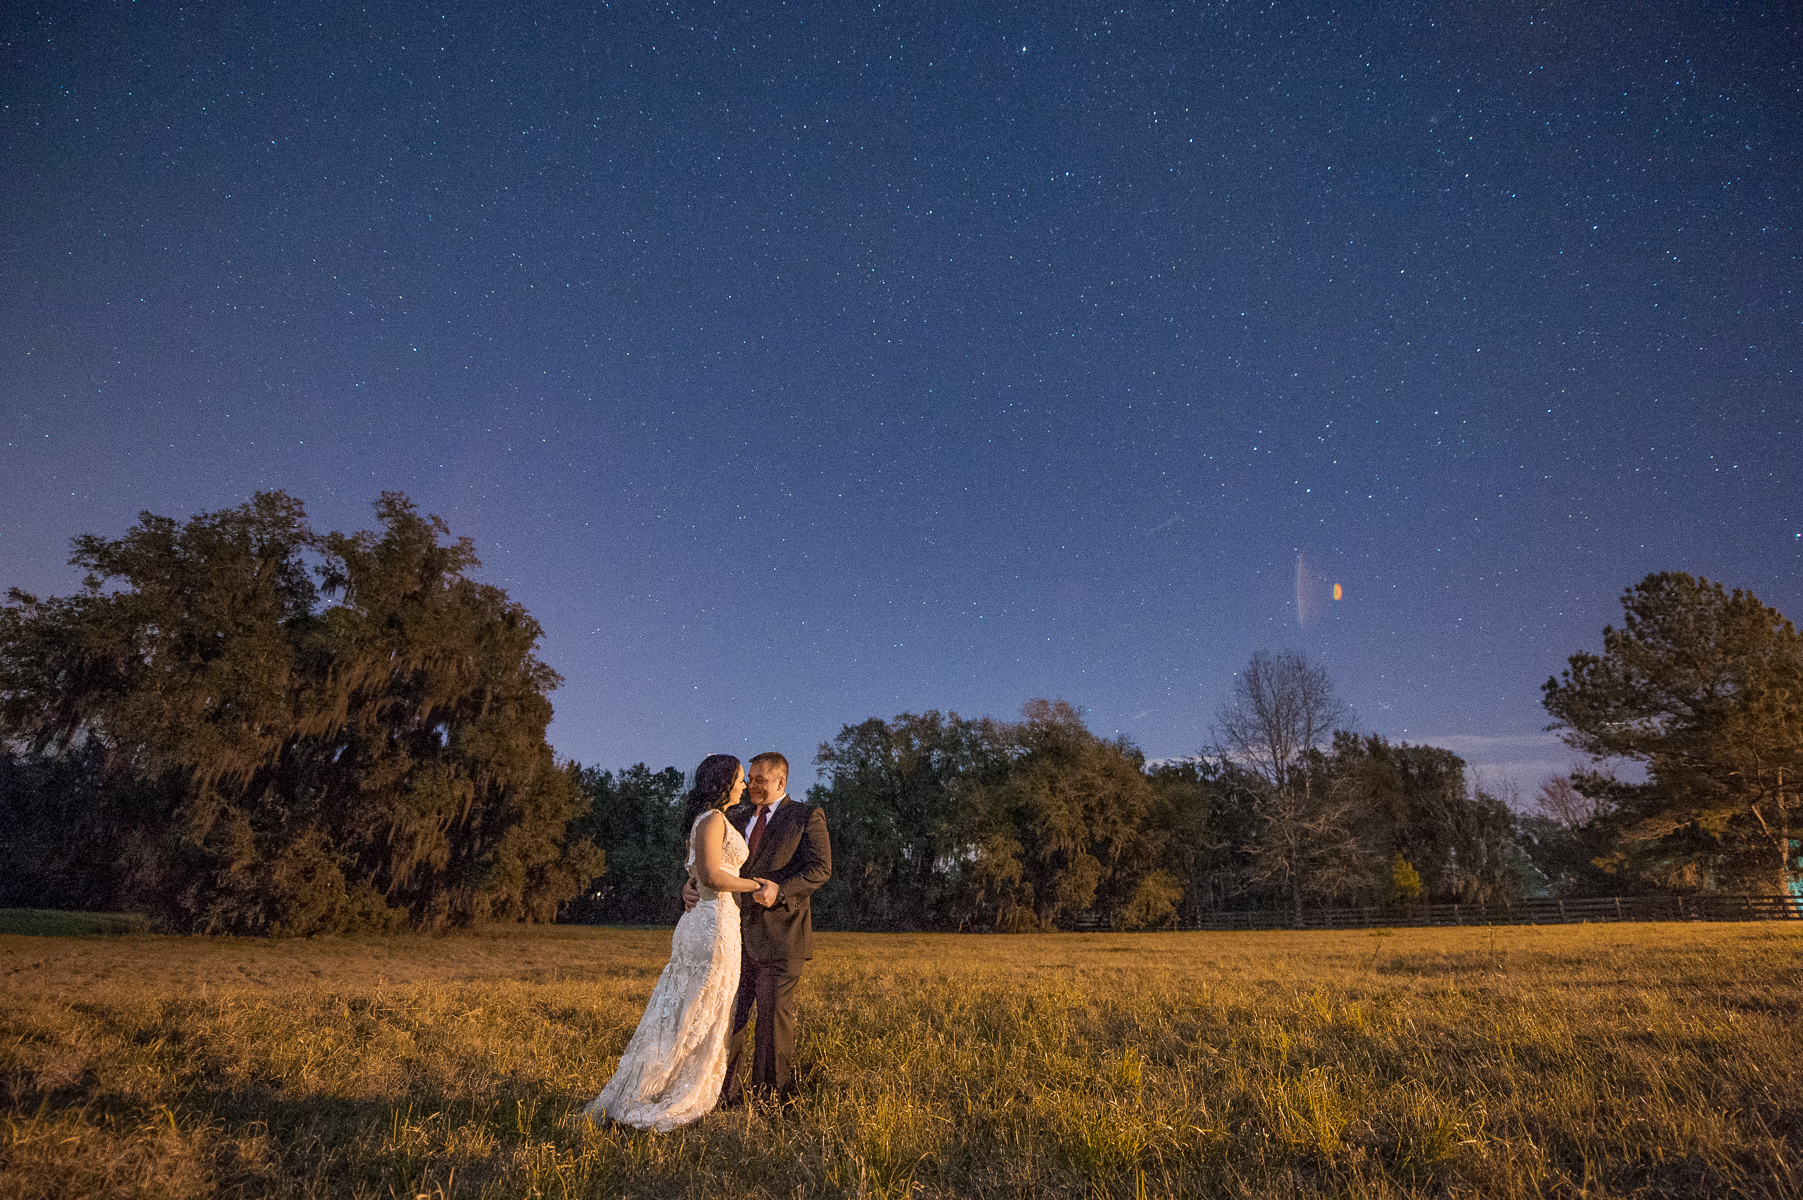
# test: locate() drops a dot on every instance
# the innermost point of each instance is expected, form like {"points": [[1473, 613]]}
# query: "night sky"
{"points": [[798, 364]]}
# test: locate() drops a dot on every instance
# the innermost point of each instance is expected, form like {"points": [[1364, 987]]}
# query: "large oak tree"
{"points": [[287, 732]]}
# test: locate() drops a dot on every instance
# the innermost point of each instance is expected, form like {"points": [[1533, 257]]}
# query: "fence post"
{"points": [[1618, 908]]}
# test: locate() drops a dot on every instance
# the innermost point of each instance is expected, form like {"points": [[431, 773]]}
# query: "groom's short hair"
{"points": [[774, 759]]}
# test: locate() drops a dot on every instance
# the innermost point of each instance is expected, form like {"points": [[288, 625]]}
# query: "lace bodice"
{"points": [[733, 853]]}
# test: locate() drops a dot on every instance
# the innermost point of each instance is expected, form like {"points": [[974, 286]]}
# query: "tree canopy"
{"points": [[1704, 687], [941, 822], [637, 816], [265, 729], [251, 726]]}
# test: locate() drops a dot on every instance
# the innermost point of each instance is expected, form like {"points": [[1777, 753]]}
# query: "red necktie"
{"points": [[757, 829]]}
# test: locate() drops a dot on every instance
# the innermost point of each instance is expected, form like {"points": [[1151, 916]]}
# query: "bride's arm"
{"points": [[709, 866]]}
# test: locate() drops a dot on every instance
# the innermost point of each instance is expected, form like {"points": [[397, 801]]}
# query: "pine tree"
{"points": [[1704, 687]]}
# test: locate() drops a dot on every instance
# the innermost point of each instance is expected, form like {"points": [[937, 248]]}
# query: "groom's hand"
{"points": [[691, 895], [766, 893]]}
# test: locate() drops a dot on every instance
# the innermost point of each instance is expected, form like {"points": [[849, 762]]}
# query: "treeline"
{"points": [[247, 726], [943, 822]]}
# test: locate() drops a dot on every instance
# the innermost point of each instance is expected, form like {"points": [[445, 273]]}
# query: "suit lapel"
{"points": [[773, 831]]}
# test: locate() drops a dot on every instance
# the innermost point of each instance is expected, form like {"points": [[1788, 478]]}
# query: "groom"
{"points": [[790, 849]]}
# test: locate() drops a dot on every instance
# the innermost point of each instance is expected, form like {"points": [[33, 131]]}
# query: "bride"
{"points": [[673, 1067]]}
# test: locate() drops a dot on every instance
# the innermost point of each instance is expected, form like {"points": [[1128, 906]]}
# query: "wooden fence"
{"points": [[1521, 912]]}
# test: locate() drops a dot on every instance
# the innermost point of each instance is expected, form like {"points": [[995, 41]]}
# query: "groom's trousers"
{"points": [[770, 986]]}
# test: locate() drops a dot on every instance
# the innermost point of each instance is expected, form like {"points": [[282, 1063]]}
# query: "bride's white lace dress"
{"points": [[674, 1065]]}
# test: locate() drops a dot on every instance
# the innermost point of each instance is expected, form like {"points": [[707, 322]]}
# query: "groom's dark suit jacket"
{"points": [[796, 853]]}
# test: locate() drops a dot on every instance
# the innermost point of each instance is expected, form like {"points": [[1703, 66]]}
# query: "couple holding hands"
{"points": [[740, 945]]}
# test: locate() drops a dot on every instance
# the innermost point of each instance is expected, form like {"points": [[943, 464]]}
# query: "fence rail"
{"points": [[1522, 912]]}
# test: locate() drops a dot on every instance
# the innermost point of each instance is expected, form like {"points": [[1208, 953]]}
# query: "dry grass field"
{"points": [[1618, 1060]]}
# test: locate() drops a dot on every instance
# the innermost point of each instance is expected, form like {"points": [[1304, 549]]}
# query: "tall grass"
{"points": [[44, 922], [1645, 1060]]}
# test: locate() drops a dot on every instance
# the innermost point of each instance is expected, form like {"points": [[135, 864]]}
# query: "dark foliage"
{"points": [[1415, 802], [946, 823], [1704, 687], [914, 846], [636, 820], [200, 733]]}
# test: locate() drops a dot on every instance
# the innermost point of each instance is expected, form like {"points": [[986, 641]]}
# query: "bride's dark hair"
{"points": [[712, 789]]}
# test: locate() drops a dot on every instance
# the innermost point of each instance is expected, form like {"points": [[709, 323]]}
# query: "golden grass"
{"points": [[46, 922], [1619, 1060]]}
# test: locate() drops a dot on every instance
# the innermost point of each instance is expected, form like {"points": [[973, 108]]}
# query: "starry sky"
{"points": [[801, 363]]}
